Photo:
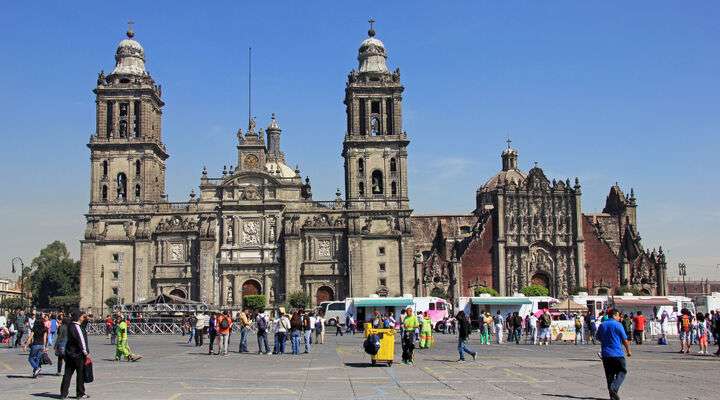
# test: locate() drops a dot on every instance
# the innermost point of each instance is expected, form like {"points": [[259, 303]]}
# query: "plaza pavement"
{"points": [[340, 369]]}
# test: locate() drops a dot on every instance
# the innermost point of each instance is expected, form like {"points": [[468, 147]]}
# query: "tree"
{"points": [[535, 290], [55, 274], [65, 302], [11, 303], [298, 300], [439, 292], [488, 290], [255, 302], [112, 301]]}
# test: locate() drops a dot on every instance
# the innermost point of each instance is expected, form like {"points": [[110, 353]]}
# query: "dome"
{"points": [[372, 55], [514, 175], [274, 167], [129, 57]]}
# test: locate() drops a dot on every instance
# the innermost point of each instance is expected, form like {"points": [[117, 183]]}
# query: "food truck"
{"points": [[363, 308]]}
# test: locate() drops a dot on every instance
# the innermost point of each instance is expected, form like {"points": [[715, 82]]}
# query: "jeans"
{"points": [[408, 346], [295, 340], [533, 334], [638, 337], [51, 339], [243, 340], [223, 343], [192, 335], [498, 333], [280, 338], [18, 337], [462, 349], [262, 338], [35, 356], [308, 340], [579, 337], [211, 341], [615, 372]]}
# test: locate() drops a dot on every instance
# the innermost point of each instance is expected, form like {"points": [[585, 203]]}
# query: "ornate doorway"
{"points": [[178, 293], [250, 287], [324, 293]]}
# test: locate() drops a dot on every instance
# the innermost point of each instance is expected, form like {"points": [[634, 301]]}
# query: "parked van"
{"points": [[334, 312]]}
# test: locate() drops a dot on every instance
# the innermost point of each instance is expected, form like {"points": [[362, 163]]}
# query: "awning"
{"points": [[569, 305], [384, 302], [644, 302], [500, 301]]}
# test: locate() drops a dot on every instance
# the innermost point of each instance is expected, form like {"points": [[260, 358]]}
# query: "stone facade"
{"points": [[531, 230], [256, 229]]}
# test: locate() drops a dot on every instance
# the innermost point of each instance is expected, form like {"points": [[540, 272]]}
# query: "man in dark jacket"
{"points": [[76, 352], [464, 330]]}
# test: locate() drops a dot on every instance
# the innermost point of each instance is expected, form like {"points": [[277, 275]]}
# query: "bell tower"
{"points": [[375, 145], [127, 152]]}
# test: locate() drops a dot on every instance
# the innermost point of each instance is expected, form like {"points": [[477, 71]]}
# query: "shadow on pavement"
{"points": [[19, 376], [47, 394], [362, 365], [567, 396]]}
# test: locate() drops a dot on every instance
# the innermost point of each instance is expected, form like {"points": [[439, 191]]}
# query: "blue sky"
{"points": [[610, 91]]}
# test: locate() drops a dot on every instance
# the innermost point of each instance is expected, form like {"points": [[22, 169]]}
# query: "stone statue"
{"points": [[229, 236], [229, 295]]}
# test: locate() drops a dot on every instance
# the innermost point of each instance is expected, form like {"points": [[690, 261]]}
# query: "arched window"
{"points": [[393, 165], [105, 168], [121, 186], [361, 189], [377, 182], [104, 192], [361, 166], [393, 188], [137, 192], [137, 167]]}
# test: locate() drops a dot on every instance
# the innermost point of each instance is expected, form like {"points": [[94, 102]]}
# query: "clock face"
{"points": [[251, 161]]}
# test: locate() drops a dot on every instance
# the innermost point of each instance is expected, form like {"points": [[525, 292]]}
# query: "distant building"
{"points": [[694, 288], [8, 289]]}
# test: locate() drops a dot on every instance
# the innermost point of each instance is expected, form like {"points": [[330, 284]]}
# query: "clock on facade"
{"points": [[251, 161]]}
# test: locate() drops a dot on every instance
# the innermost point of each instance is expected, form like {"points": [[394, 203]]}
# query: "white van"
{"points": [[334, 312]]}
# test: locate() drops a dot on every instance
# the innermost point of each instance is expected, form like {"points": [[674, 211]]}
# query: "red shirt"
{"points": [[639, 321]]}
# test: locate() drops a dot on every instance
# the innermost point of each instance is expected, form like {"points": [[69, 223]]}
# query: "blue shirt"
{"points": [[611, 334]]}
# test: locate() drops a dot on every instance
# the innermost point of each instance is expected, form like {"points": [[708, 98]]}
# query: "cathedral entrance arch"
{"points": [[540, 279], [251, 287], [324, 293]]}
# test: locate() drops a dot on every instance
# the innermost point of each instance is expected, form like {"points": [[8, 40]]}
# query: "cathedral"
{"points": [[256, 228]]}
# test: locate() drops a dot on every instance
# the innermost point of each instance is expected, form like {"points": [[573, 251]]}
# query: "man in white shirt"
{"points": [[319, 329], [533, 328], [313, 319]]}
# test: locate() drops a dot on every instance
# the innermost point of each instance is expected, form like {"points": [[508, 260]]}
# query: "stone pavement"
{"points": [[339, 369]]}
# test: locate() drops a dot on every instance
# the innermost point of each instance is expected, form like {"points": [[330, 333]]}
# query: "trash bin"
{"points": [[387, 344]]}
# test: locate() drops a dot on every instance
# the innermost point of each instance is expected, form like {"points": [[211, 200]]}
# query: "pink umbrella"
{"points": [[538, 313]]}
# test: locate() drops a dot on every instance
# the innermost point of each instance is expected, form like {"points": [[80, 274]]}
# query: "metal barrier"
{"points": [[146, 328]]}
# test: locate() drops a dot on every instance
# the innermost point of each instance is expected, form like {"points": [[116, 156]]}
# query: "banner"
{"points": [[562, 330]]}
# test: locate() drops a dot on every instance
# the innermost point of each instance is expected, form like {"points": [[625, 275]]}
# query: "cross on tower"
{"points": [[130, 31], [508, 142], [371, 21]]}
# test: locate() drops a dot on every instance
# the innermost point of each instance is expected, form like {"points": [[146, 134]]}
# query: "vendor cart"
{"points": [[387, 344]]}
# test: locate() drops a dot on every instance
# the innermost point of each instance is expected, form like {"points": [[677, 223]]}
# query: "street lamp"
{"points": [[682, 270], [22, 279]]}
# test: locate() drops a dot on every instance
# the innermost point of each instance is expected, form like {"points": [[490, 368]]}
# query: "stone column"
{"points": [[501, 288], [237, 289], [581, 274]]}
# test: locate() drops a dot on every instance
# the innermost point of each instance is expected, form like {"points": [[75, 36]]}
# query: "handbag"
{"points": [[88, 371], [45, 359]]}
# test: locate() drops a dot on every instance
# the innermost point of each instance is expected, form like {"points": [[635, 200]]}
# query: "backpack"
{"points": [[685, 323], [261, 323], [545, 320], [224, 324]]}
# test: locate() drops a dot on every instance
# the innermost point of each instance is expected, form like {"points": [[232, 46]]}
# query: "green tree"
{"points": [[488, 290], [298, 300], [54, 274], [65, 302], [438, 292], [255, 302], [11, 304], [535, 290]]}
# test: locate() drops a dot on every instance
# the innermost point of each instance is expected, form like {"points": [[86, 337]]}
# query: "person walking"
{"points": [[37, 341], [212, 333], [201, 320], [702, 333], [122, 348], [533, 328], [261, 322], [224, 326], [320, 329], [61, 342], [76, 353], [627, 323], [517, 326], [410, 323], [639, 327], [191, 332], [244, 321], [296, 326], [684, 327], [464, 330], [498, 322], [283, 327], [545, 322], [307, 331], [612, 336], [579, 330], [426, 336], [20, 326]]}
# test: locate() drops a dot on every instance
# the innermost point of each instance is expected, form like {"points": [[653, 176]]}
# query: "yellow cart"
{"points": [[387, 344]]}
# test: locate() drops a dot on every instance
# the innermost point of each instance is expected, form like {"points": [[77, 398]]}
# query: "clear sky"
{"points": [[610, 91]]}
